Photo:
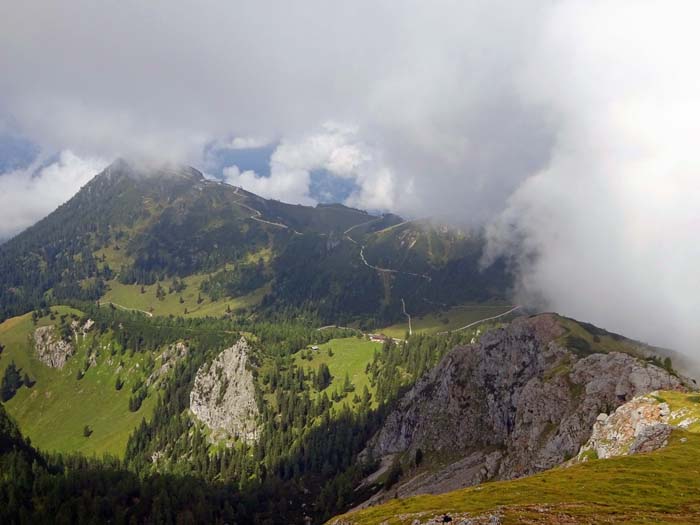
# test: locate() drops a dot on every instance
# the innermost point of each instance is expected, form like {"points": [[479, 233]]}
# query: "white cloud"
{"points": [[238, 143], [30, 194], [425, 88], [290, 186], [335, 148], [577, 116], [613, 220]]}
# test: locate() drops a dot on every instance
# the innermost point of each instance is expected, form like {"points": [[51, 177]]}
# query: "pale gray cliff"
{"points": [[223, 395], [516, 403]]}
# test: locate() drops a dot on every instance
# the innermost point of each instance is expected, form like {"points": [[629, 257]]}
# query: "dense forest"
{"points": [[304, 463], [308, 266], [130, 227]]}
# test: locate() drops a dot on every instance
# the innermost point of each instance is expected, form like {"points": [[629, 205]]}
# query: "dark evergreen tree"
{"points": [[11, 382]]}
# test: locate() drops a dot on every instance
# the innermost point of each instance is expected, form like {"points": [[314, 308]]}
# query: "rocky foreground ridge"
{"points": [[643, 424], [223, 395], [523, 400]]}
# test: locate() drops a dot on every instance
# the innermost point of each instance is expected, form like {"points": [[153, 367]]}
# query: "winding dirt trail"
{"points": [[403, 308], [149, 314], [391, 270], [480, 321], [257, 214]]}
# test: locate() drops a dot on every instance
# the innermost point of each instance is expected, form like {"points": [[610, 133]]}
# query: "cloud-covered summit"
{"points": [[567, 126]]}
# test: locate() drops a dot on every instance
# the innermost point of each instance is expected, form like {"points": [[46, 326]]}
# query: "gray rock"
{"points": [[223, 395], [651, 438], [51, 350], [515, 404], [167, 361]]}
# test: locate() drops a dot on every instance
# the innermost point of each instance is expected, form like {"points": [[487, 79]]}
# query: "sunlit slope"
{"points": [[447, 319], [657, 487], [54, 411]]}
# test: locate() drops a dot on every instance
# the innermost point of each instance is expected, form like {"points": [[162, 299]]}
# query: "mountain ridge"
{"points": [[140, 225]]}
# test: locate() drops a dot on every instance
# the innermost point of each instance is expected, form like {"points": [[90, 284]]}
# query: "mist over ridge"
{"points": [[566, 129]]}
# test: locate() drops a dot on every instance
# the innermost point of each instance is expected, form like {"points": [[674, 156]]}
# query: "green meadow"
{"points": [[444, 321], [187, 303], [55, 410], [349, 355]]}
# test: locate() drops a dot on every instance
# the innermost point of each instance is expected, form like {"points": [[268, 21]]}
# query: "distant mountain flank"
{"points": [[201, 247]]}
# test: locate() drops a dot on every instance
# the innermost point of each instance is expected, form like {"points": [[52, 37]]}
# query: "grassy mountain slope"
{"points": [[213, 247], [344, 357], [446, 319], [54, 411], [656, 487]]}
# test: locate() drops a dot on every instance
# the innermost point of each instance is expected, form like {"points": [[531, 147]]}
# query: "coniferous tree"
{"points": [[27, 381], [11, 382], [347, 384], [323, 377]]}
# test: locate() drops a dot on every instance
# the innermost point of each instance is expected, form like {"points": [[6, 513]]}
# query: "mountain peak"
{"points": [[142, 170]]}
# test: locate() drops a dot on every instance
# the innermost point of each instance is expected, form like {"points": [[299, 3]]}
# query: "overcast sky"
{"points": [[568, 127]]}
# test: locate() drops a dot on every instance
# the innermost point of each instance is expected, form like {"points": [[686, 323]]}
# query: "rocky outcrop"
{"points": [[167, 361], [643, 424], [516, 403], [50, 349], [223, 396], [81, 330]]}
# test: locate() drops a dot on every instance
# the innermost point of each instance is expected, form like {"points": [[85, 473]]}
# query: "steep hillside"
{"points": [[444, 261], [657, 487], [91, 387], [530, 393], [35, 488]]}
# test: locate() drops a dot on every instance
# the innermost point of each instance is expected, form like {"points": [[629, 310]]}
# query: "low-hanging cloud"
{"points": [[566, 126], [31, 193], [609, 230], [335, 149], [428, 87]]}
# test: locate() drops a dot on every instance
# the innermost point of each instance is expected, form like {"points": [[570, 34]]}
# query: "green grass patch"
{"points": [[350, 356], [194, 303], [660, 487], [55, 410], [451, 319], [685, 407]]}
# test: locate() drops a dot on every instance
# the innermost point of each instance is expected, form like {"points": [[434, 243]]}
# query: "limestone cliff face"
{"points": [[514, 404], [50, 349], [223, 396]]}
